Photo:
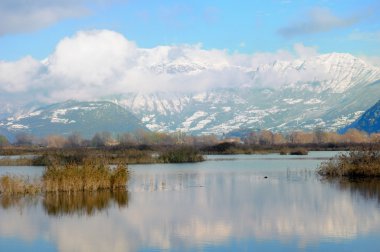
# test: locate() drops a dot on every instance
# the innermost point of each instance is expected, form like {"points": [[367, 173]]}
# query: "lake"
{"points": [[222, 204]]}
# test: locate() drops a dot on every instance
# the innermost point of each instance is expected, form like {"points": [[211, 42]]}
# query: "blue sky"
{"points": [[35, 27]]}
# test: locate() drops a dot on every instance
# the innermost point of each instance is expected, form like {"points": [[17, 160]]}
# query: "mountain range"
{"points": [[328, 91]]}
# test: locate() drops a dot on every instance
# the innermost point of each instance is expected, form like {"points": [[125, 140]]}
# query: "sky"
{"points": [[74, 48], [34, 27]]}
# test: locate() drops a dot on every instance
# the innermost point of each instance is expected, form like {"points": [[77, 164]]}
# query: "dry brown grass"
{"points": [[11, 185], [355, 164], [92, 175]]}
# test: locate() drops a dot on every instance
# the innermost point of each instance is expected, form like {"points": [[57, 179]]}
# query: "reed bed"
{"points": [[12, 185], [89, 174], [92, 175], [362, 163]]}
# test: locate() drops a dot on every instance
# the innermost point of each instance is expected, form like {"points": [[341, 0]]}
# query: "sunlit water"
{"points": [[223, 204]]}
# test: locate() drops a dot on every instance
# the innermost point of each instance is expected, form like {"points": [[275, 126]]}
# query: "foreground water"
{"points": [[223, 204]]}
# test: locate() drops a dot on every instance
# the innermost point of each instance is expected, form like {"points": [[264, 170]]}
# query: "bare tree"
{"points": [[25, 139], [55, 141], [74, 140]]}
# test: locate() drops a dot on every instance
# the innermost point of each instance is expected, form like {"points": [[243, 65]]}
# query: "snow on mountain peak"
{"points": [[334, 72]]}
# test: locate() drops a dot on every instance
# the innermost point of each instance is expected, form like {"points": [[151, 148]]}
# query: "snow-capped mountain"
{"points": [[86, 118], [327, 91]]}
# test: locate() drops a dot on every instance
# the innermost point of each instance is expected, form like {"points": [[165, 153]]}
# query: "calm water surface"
{"points": [[223, 204]]}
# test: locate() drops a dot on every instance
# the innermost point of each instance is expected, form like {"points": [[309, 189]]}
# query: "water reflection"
{"points": [[83, 203], [62, 204], [210, 206], [369, 189], [19, 201]]}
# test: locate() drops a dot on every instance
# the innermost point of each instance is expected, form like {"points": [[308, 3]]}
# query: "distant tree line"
{"points": [[259, 138]]}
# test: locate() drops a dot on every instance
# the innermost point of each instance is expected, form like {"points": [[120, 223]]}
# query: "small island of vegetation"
{"points": [[75, 175], [360, 163]]}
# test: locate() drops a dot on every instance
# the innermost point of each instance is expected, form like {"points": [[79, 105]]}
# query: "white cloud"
{"points": [[20, 75], [374, 60], [305, 52], [92, 58]]}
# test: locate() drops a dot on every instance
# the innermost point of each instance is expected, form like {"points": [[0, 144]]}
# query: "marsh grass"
{"points": [[12, 185], [92, 175], [362, 163], [70, 175]]}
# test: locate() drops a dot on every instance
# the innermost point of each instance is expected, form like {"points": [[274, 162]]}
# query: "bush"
{"points": [[184, 154], [299, 151]]}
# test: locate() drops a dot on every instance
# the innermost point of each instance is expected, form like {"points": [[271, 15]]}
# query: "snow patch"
{"points": [[18, 126], [313, 101], [292, 101], [226, 109]]}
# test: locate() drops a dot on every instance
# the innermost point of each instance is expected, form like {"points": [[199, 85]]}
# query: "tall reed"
{"points": [[11, 185], [92, 175]]}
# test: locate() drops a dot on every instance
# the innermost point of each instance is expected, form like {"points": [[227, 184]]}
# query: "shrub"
{"points": [[299, 151], [183, 154]]}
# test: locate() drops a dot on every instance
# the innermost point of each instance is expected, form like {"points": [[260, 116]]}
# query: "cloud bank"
{"points": [[102, 63]]}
